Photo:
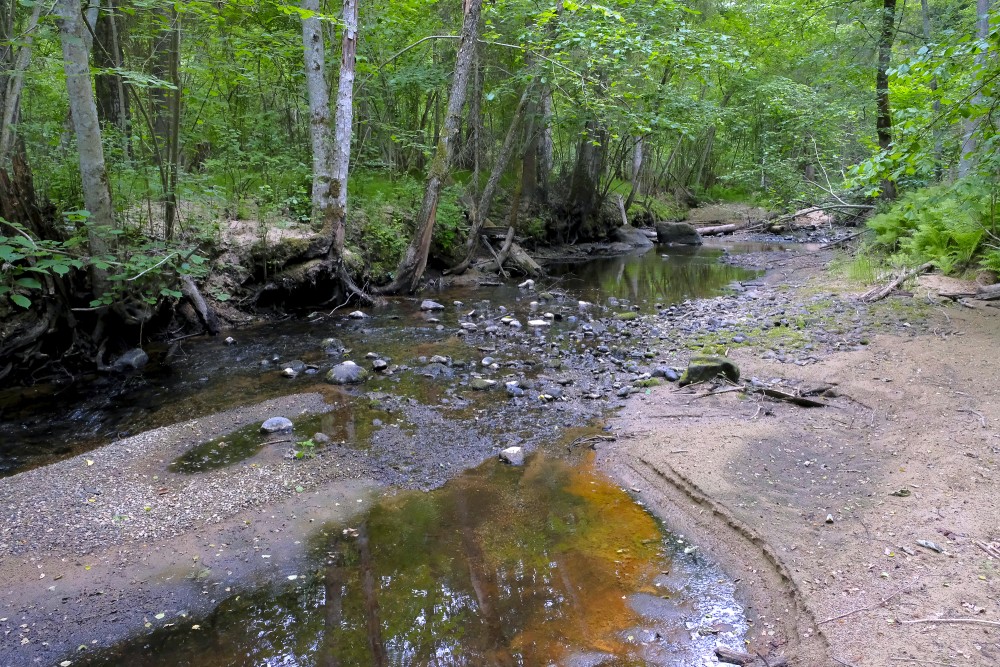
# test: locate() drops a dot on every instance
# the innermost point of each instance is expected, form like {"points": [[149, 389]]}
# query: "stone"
{"points": [[514, 389], [527, 284], [438, 359], [705, 367], [513, 455], [469, 326], [277, 425], [380, 364], [321, 438], [347, 372], [667, 373], [230, 340], [333, 347], [539, 323], [631, 236], [357, 315], [677, 232], [289, 372], [132, 360], [427, 304], [482, 384]]}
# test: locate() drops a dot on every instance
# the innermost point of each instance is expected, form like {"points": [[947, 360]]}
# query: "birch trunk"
{"points": [[319, 111], [343, 124], [414, 262], [93, 173]]}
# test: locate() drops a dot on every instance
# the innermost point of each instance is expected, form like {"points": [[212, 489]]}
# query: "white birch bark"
{"points": [[83, 108], [967, 159], [319, 109], [14, 86]]}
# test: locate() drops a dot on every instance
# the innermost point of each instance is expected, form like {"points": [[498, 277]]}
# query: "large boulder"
{"points": [[277, 425], [347, 372], [705, 368], [677, 232], [635, 238]]}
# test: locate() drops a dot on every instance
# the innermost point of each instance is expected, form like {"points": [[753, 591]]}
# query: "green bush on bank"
{"points": [[952, 225]]}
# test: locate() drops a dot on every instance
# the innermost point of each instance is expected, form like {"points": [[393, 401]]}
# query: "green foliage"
{"points": [[950, 225]]}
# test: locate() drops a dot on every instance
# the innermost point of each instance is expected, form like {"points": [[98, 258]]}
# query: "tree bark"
{"points": [[883, 120], [967, 159], [925, 15], [13, 65], [166, 111], [414, 261], [319, 111], [93, 173], [112, 99]]}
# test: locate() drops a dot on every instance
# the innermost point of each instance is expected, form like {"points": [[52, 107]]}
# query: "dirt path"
{"points": [[818, 512]]}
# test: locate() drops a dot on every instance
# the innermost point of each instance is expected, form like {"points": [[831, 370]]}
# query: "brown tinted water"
{"points": [[546, 564]]}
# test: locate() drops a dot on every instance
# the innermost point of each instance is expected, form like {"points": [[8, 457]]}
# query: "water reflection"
{"points": [[502, 566], [661, 275]]}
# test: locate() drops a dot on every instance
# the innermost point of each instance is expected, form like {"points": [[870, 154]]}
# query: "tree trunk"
{"points": [[938, 148], [414, 262], [583, 189], [93, 173], [967, 159], [13, 64], [883, 120], [319, 112], [166, 112], [482, 208], [343, 124], [112, 99]]}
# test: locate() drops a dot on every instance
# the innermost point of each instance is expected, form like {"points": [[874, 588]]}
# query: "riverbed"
{"points": [[450, 559]]}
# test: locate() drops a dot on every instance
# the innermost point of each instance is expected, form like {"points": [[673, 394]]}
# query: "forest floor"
{"points": [[864, 533]]}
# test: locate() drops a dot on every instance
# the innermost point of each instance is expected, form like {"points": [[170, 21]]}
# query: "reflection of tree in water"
{"points": [[501, 567], [681, 275]]}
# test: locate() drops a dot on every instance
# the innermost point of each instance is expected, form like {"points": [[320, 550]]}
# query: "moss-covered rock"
{"points": [[704, 368]]}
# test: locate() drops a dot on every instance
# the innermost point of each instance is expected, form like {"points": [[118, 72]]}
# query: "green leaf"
{"points": [[30, 283], [21, 300]]}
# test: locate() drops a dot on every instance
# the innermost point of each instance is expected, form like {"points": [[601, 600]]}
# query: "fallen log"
{"points": [[988, 293], [879, 293], [721, 229], [524, 261], [205, 313], [816, 209], [732, 656]]}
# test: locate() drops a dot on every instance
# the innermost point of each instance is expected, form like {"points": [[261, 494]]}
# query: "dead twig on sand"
{"points": [[859, 609], [988, 548], [975, 621], [922, 662]]}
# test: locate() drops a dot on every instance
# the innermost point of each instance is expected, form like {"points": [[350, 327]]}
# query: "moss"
{"points": [[628, 316]]}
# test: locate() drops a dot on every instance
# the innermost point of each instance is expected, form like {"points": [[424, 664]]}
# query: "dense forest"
{"points": [[358, 144]]}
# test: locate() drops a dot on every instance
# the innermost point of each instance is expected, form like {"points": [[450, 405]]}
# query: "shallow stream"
{"points": [[549, 563]]}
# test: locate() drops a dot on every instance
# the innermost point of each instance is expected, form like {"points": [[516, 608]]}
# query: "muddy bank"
{"points": [[824, 514]]}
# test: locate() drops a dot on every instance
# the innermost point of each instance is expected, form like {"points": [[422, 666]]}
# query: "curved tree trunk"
{"points": [[414, 261], [482, 207]]}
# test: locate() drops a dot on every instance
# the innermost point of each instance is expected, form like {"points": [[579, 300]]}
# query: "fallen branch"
{"points": [[976, 621], [801, 401], [834, 244], [205, 313], [879, 293], [859, 609], [733, 656], [815, 209], [988, 293]]}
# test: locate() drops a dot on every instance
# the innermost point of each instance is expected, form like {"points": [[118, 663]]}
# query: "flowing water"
{"points": [[549, 563]]}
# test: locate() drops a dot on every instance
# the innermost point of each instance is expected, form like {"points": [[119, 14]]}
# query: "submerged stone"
{"points": [[513, 455], [347, 372]]}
